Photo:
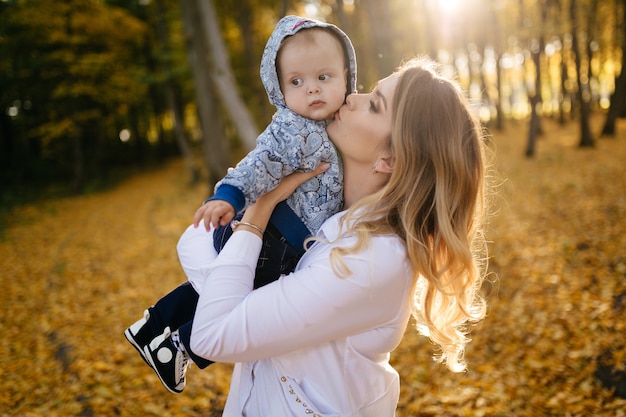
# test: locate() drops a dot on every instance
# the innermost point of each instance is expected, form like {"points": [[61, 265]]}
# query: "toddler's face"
{"points": [[313, 74]]}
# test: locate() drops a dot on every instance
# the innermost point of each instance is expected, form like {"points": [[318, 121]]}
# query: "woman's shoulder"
{"points": [[334, 230], [385, 252], [391, 242]]}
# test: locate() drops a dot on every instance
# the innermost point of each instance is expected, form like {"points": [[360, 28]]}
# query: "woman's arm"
{"points": [[311, 306], [259, 213], [306, 308]]}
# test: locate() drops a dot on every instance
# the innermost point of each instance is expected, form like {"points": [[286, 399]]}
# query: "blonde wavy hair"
{"points": [[435, 202]]}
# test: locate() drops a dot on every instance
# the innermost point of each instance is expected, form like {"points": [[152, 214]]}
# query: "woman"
{"points": [[317, 342]]}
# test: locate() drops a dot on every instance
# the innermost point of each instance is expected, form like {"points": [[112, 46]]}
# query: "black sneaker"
{"points": [[169, 363], [140, 334]]}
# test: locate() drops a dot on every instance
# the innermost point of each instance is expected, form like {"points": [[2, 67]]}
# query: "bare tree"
{"points": [[563, 85], [381, 33], [496, 32], [222, 75], [244, 16], [535, 100], [583, 95], [618, 98], [170, 96], [536, 50], [217, 154]]}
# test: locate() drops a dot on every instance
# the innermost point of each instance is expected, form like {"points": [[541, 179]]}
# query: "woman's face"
{"points": [[362, 127]]}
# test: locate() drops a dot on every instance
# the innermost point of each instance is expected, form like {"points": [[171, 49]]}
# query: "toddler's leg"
{"points": [[168, 351], [184, 333], [174, 309], [277, 256], [152, 335]]}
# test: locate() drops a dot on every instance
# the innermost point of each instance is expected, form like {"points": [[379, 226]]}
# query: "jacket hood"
{"points": [[288, 26]]}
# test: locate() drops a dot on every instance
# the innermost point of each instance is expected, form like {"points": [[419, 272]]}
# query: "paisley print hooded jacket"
{"points": [[290, 143]]}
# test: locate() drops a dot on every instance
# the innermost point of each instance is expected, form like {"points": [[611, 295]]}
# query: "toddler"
{"points": [[308, 68]]}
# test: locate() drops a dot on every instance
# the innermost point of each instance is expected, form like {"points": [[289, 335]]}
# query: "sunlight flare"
{"points": [[449, 6]]}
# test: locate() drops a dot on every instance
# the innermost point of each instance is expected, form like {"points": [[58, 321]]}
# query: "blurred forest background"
{"points": [[118, 116], [92, 88]]}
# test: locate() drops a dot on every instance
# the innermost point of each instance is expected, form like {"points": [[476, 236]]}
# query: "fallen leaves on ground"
{"points": [[76, 272]]}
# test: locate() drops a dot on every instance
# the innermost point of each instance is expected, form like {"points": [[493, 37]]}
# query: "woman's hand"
{"points": [[289, 184], [259, 213]]}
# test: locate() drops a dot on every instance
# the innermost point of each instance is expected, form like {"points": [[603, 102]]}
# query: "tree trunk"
{"points": [[498, 53], [217, 154], [157, 108], [535, 100], [381, 34], [618, 98], [79, 161], [170, 97], [341, 16], [564, 92], [429, 32], [7, 142], [499, 111], [245, 21], [222, 75], [284, 7], [586, 139], [533, 129], [537, 48], [75, 132]]}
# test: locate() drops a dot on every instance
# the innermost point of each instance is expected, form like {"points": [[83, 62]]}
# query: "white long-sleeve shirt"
{"points": [[310, 343]]}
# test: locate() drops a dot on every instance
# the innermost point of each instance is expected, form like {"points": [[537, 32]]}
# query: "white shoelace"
{"points": [[179, 345]]}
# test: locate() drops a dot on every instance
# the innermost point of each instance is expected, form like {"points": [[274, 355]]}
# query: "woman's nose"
{"points": [[351, 100]]}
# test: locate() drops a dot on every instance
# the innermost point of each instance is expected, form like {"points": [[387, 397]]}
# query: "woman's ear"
{"points": [[385, 164]]}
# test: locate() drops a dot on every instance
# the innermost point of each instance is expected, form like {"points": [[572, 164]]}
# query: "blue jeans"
{"points": [[277, 256]]}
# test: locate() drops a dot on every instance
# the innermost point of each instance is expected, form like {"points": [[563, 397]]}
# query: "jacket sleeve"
{"points": [[233, 323], [278, 152]]}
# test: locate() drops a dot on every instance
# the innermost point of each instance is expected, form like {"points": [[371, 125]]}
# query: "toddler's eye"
{"points": [[373, 107], [324, 77], [296, 82]]}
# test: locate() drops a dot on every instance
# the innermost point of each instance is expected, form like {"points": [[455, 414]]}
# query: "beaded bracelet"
{"points": [[236, 223]]}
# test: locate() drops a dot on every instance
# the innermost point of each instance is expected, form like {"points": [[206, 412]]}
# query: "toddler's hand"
{"points": [[214, 213]]}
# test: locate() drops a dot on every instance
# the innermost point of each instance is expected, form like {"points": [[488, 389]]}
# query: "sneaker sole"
{"points": [[139, 349], [153, 366]]}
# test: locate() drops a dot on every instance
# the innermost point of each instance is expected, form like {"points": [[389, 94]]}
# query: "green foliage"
{"points": [[72, 72]]}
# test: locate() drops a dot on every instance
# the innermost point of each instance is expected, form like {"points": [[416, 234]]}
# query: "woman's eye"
{"points": [[324, 77], [373, 107], [296, 82]]}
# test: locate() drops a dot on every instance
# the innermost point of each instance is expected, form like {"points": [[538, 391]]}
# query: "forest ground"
{"points": [[75, 272]]}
